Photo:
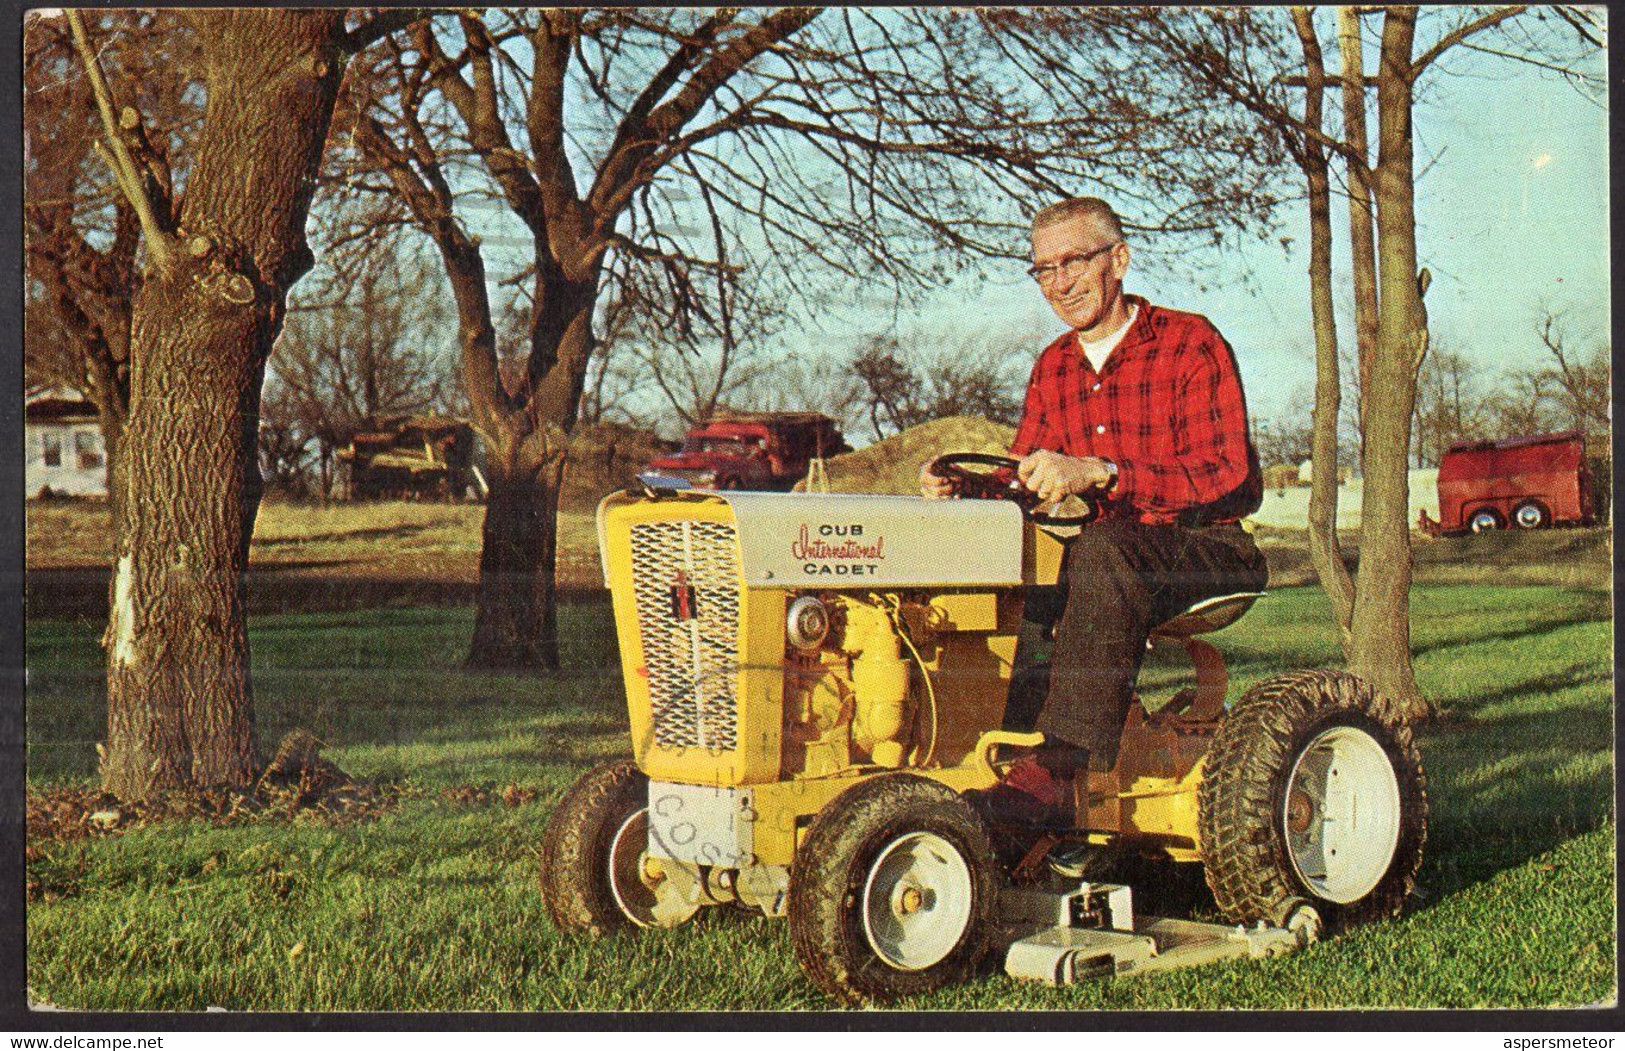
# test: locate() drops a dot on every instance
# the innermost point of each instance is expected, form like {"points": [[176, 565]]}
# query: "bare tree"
{"points": [[1287, 440], [81, 235], [1582, 383], [362, 344], [1449, 405], [218, 259], [967, 378], [1241, 54], [800, 382], [866, 145]]}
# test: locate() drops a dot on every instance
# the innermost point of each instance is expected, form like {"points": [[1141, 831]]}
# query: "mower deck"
{"points": [[1089, 931]]}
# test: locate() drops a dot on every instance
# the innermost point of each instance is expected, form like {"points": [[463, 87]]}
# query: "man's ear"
{"points": [[1121, 256]]}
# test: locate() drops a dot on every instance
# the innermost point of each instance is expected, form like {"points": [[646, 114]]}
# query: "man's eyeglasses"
{"points": [[1070, 266]]}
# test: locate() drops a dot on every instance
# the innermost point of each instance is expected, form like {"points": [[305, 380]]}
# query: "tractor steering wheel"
{"points": [[986, 485]]}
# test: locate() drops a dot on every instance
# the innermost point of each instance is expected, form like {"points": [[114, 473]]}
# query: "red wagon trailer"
{"points": [[1529, 482]]}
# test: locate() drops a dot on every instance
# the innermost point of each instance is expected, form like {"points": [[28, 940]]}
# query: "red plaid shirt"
{"points": [[1167, 408]]}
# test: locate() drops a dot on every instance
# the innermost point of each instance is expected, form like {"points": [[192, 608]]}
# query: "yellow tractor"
{"points": [[813, 680]]}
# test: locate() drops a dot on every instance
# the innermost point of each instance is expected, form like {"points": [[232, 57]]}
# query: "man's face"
{"points": [[1084, 293]]}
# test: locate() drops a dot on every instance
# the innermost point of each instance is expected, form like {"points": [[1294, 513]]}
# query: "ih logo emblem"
{"points": [[682, 598]]}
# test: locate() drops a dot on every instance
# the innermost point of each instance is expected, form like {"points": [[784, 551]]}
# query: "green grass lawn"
{"points": [[434, 905]]}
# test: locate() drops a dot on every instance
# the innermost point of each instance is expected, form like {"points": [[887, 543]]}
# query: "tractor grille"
{"points": [[686, 585]]}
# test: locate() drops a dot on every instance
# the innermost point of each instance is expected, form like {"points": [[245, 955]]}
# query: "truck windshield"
{"points": [[720, 446], [728, 447]]}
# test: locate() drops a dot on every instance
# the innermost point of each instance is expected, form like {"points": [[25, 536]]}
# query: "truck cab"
{"points": [[762, 451]]}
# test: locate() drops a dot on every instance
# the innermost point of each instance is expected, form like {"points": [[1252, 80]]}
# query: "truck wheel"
{"points": [[591, 852], [1484, 521], [1313, 789], [893, 891], [1530, 515]]}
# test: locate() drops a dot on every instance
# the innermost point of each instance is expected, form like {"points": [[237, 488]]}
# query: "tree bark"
{"points": [[180, 701], [1381, 623], [1324, 550]]}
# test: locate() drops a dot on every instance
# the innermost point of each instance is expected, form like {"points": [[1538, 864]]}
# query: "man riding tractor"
{"points": [[1143, 406], [819, 687]]}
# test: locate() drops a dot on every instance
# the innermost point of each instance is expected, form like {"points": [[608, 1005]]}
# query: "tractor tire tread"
{"points": [[1244, 859], [829, 869], [574, 879]]}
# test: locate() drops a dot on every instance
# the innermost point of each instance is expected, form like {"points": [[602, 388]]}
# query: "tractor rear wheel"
{"points": [[893, 891], [592, 851], [1313, 790]]}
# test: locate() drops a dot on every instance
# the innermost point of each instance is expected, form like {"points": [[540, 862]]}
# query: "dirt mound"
{"points": [[893, 466]]}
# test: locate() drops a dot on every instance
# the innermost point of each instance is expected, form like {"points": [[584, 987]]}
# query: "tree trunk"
{"points": [[1362, 248], [180, 704], [1381, 623], [110, 420], [1324, 551], [516, 618]]}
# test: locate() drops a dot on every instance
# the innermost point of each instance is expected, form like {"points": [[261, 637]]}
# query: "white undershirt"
{"points": [[1097, 351]]}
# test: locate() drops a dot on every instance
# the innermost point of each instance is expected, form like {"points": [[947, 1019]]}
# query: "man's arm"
{"points": [[1209, 421]]}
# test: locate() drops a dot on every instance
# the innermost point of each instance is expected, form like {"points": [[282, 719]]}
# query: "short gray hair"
{"points": [[1091, 208]]}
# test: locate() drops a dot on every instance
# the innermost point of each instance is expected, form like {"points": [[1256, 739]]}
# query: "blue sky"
{"points": [[1512, 216]]}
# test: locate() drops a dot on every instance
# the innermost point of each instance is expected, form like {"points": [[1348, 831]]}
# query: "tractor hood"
{"points": [[841, 540]]}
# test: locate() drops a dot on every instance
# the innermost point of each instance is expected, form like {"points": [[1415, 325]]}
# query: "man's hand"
{"points": [[933, 486], [1055, 477]]}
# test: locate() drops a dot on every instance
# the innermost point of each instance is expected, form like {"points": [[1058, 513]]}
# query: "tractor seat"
{"points": [[1207, 615]]}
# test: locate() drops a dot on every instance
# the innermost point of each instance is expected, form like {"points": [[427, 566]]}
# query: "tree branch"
{"points": [[1462, 32], [620, 167], [120, 161], [379, 26]]}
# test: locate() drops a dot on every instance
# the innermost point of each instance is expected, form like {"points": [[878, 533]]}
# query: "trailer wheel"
{"points": [[1313, 790], [592, 849], [1530, 515], [1484, 521], [893, 891]]}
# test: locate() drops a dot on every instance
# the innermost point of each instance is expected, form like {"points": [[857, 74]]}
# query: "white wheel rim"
{"points": [[1529, 516], [1483, 521], [1341, 814], [917, 901], [635, 900]]}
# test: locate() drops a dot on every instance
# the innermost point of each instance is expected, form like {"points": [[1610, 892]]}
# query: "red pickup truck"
{"points": [[769, 450], [1529, 482]]}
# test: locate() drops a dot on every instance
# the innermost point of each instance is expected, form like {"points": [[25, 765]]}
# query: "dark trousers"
{"points": [[1119, 580]]}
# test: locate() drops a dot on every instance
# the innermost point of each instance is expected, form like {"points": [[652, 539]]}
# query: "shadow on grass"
{"points": [[1509, 786], [1584, 608], [1582, 674]]}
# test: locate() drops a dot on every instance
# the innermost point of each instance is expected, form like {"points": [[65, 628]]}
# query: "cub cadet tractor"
{"points": [[814, 679]]}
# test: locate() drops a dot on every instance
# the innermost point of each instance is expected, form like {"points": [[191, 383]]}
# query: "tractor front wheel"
{"points": [[1313, 790], [893, 891], [593, 852]]}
